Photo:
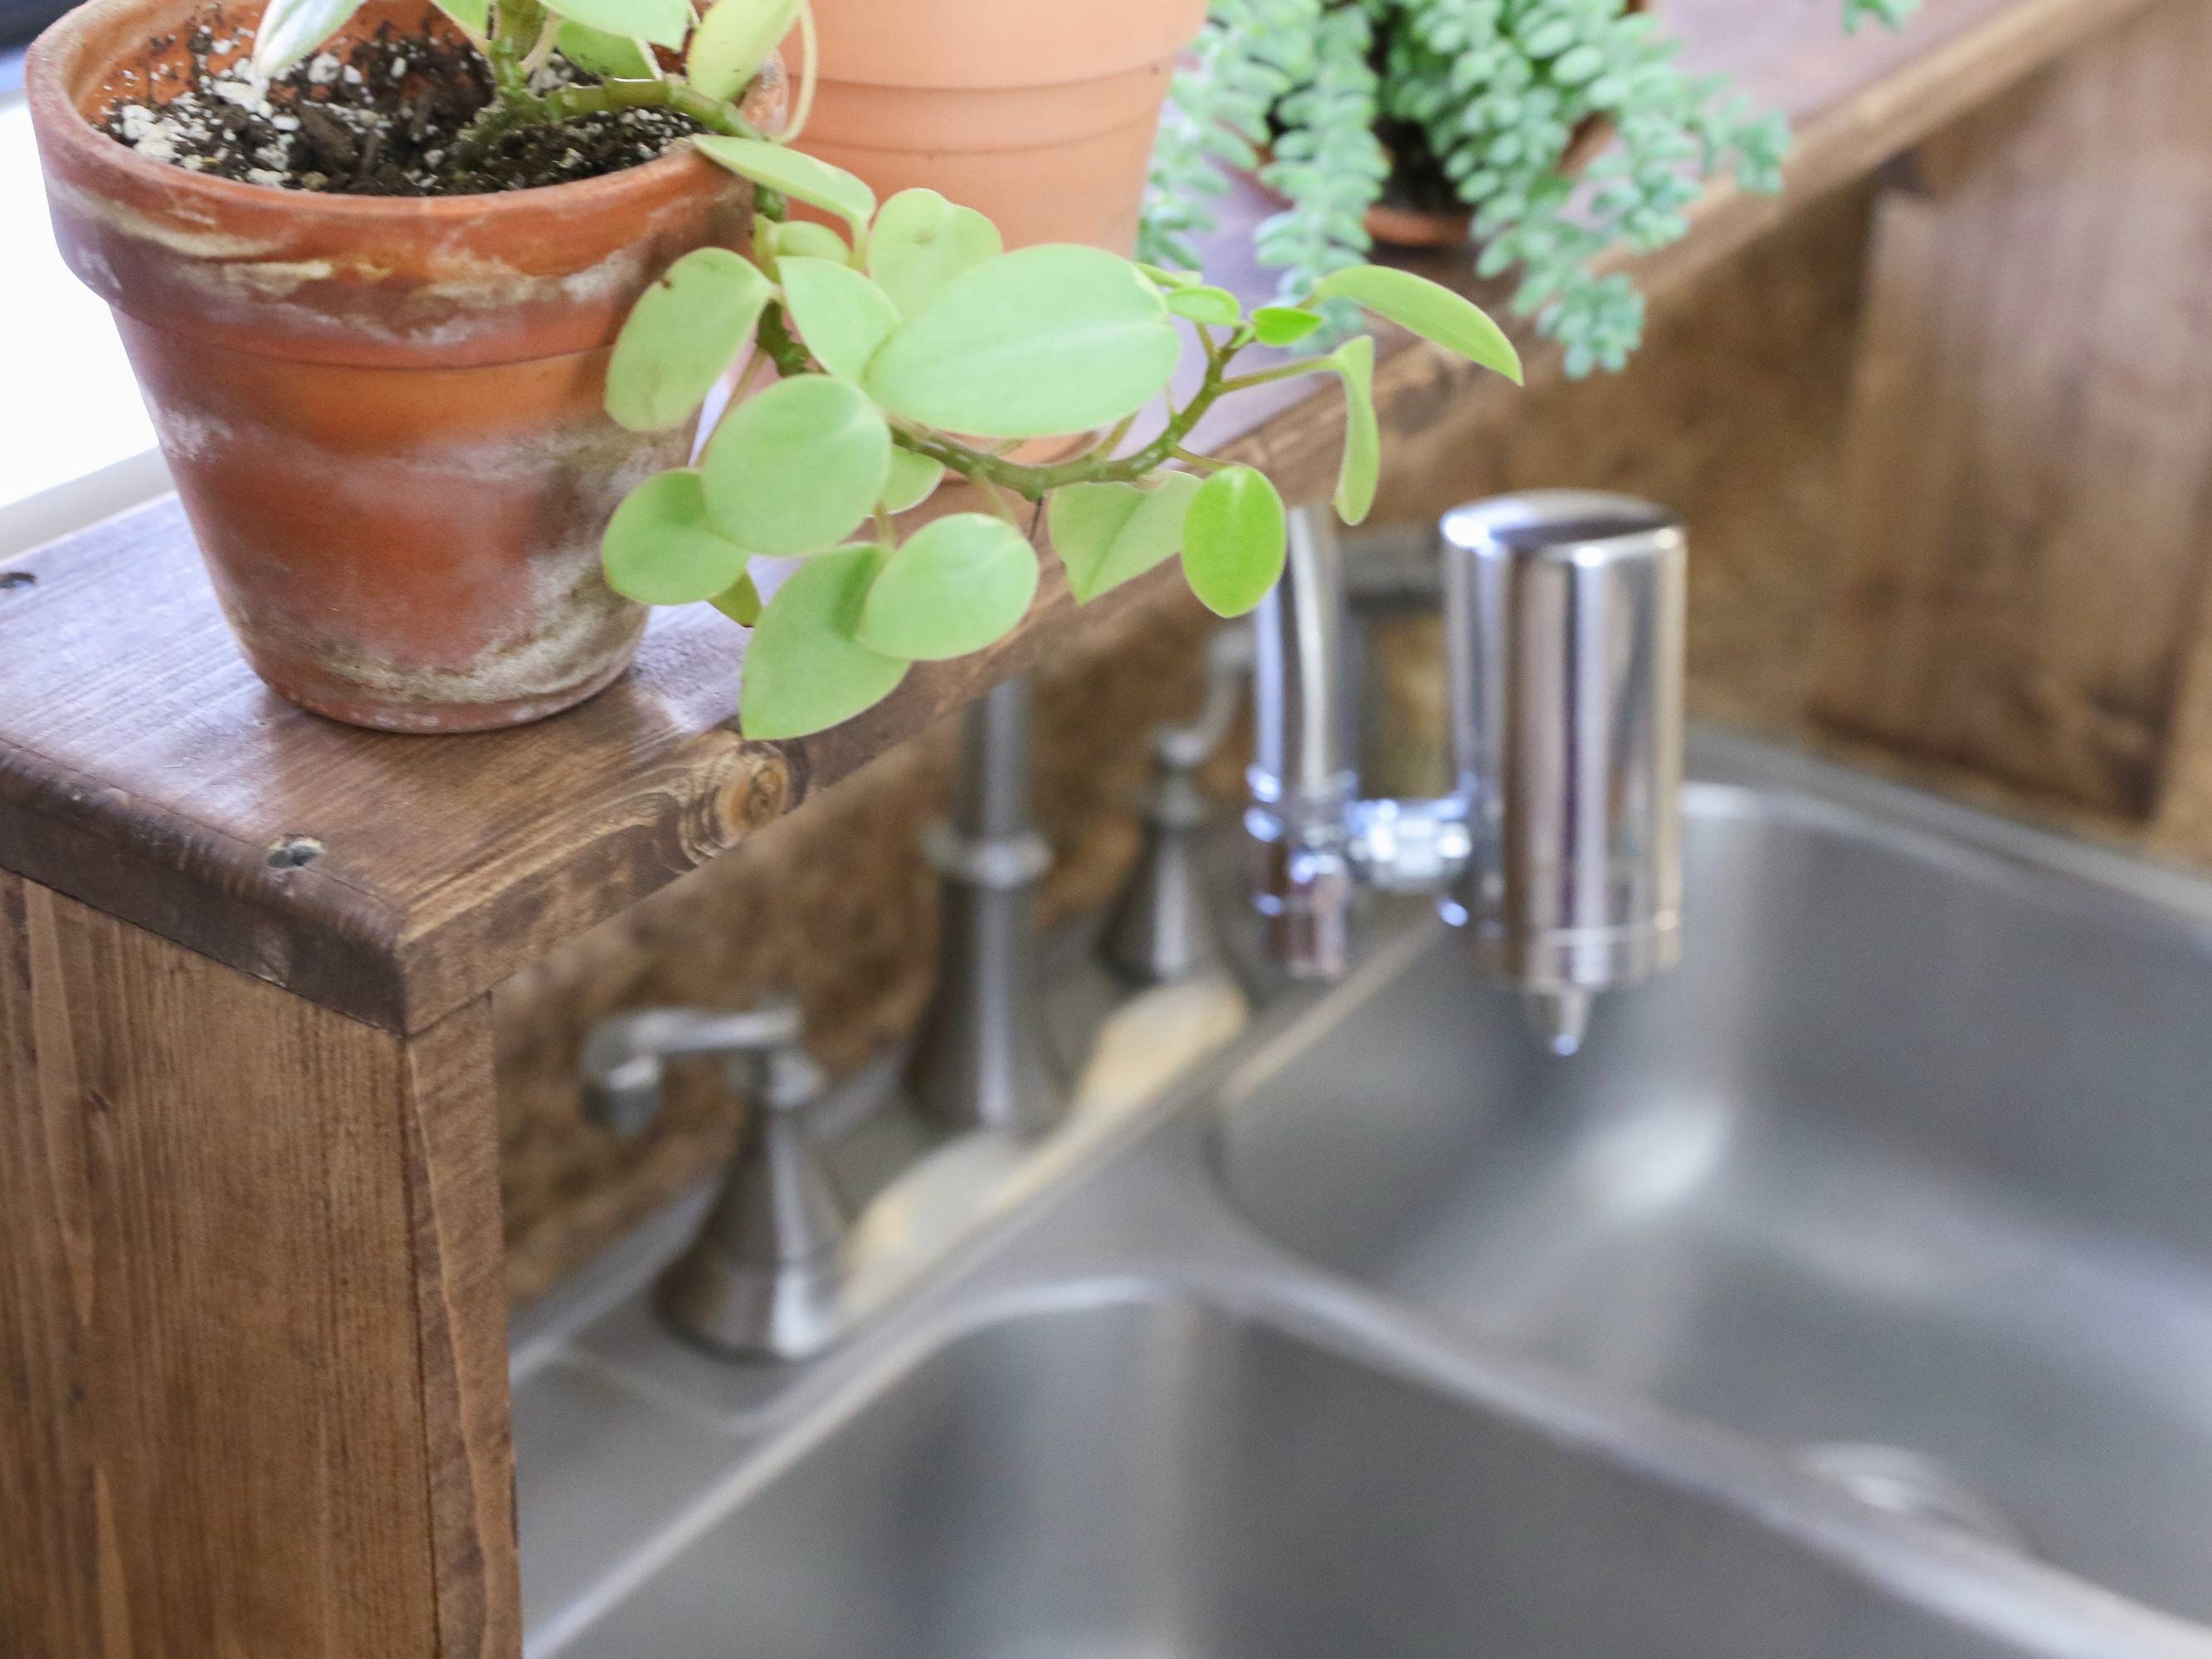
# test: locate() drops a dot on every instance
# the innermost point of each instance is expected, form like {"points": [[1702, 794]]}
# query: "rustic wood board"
{"points": [[251, 1325], [2032, 440]]}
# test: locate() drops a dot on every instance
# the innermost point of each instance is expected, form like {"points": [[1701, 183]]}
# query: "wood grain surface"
{"points": [[144, 771], [251, 1339], [2032, 444]]}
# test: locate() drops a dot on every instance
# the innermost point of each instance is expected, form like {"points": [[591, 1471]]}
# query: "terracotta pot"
{"points": [[1412, 227], [383, 414], [1039, 113]]}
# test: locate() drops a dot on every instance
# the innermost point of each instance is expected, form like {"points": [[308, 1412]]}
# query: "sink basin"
{"points": [[1905, 1174], [1137, 1476]]}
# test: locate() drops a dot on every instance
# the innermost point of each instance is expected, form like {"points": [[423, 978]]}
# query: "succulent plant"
{"points": [[1493, 93]]}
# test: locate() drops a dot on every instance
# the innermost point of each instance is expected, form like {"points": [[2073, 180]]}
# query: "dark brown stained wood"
{"points": [[144, 771], [2031, 473], [252, 1388]]}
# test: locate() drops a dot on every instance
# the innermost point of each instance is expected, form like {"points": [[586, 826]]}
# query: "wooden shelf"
{"points": [[144, 771]]}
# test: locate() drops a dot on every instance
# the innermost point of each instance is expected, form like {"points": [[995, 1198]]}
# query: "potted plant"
{"points": [[1552, 130], [384, 410], [1039, 113]]}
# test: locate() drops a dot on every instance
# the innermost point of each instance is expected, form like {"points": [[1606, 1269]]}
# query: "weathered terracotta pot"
{"points": [[383, 414], [1039, 113]]}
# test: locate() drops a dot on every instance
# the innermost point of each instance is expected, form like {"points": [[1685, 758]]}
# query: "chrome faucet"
{"points": [[1558, 853]]}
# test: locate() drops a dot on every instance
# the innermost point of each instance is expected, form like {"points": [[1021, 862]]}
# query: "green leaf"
{"points": [[842, 316], [662, 549], [292, 29], [1046, 340], [742, 604], [1109, 533], [1215, 307], [1284, 325], [1428, 309], [801, 178], [663, 22], [734, 40], [802, 239], [683, 335], [1166, 279], [958, 583], [921, 242], [474, 15], [610, 56], [804, 669], [1361, 470], [914, 480], [1234, 540], [798, 468]]}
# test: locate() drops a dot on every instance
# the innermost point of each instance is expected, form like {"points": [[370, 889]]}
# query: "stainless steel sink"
{"points": [[1849, 1298], [1147, 1477], [1907, 1172]]}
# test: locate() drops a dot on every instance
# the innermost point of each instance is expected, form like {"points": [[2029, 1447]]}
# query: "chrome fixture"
{"points": [[763, 1278], [980, 1059], [1160, 931], [1559, 853]]}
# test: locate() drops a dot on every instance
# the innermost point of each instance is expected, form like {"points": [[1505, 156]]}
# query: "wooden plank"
{"points": [[252, 1355], [2032, 440], [144, 771]]}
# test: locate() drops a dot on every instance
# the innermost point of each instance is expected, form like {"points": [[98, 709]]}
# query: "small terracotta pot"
{"points": [[1412, 227], [383, 414], [1039, 113]]}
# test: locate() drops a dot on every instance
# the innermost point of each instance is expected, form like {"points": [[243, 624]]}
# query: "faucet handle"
{"points": [[625, 1058]]}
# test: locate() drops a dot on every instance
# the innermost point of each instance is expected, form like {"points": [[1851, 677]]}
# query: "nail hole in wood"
{"points": [[294, 852]]}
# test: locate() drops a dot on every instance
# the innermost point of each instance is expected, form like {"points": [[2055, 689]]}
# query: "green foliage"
{"points": [[1042, 341], [1109, 533], [615, 56], [663, 23], [1493, 92], [733, 39], [799, 468], [921, 242], [663, 548], [1235, 539], [877, 405], [685, 332], [960, 584], [801, 178], [806, 669]]}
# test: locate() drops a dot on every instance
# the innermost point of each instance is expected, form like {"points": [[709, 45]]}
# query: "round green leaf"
{"points": [[1109, 533], [661, 547], [842, 316], [921, 241], [799, 468], [684, 333], [1361, 469], [1164, 278], [802, 239], [733, 41], [1236, 536], [1046, 340], [1284, 325], [742, 603], [957, 585], [610, 56], [801, 178], [914, 480], [805, 671], [1215, 307], [663, 22], [474, 15], [1428, 309]]}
